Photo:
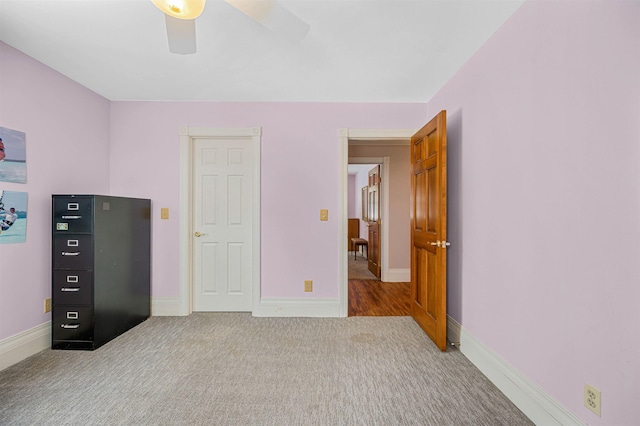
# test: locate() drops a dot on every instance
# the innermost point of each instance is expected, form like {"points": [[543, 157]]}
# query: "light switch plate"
{"points": [[164, 213], [324, 215]]}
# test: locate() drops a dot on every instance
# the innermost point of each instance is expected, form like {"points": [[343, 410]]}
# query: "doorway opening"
{"points": [[377, 140], [359, 241]]}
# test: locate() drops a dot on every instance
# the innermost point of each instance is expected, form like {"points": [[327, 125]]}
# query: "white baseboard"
{"points": [[398, 275], [166, 307], [21, 346], [172, 307], [329, 307], [527, 396]]}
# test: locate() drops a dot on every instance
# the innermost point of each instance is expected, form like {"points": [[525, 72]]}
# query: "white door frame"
{"points": [[187, 136], [365, 137]]}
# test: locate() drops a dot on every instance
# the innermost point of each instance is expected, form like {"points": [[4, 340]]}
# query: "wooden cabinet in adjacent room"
{"points": [[101, 261]]}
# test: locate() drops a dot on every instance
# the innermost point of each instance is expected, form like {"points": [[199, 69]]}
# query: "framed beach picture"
{"points": [[13, 217], [13, 156]]}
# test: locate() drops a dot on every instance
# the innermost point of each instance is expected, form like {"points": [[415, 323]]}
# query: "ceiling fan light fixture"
{"points": [[181, 9]]}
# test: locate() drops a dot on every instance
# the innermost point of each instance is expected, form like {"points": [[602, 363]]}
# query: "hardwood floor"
{"points": [[375, 298]]}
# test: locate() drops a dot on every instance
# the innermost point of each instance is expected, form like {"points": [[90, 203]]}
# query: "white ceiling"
{"points": [[356, 51]]}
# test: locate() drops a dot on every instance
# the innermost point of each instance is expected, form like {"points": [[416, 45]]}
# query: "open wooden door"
{"points": [[429, 229]]}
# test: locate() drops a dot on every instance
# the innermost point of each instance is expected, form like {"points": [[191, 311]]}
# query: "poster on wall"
{"points": [[13, 156], [13, 217]]}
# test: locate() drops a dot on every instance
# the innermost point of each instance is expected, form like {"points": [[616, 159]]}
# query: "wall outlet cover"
{"points": [[592, 399]]}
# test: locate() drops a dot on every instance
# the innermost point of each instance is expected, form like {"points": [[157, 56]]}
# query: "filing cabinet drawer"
{"points": [[72, 214], [72, 251], [72, 287], [72, 323]]}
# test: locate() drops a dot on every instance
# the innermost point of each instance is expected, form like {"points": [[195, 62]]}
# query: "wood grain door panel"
{"points": [[373, 250], [429, 229]]}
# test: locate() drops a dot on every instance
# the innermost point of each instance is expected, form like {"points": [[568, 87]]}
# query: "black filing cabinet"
{"points": [[101, 268]]}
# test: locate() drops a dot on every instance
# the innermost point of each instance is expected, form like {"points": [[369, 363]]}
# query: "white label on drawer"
{"points": [[72, 243], [72, 278], [62, 226], [73, 206], [72, 315]]}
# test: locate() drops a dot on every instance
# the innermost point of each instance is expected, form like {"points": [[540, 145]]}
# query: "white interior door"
{"points": [[223, 224]]}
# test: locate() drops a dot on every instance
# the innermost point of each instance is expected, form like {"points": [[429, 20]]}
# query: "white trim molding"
{"points": [[166, 307], [23, 345], [298, 307], [187, 136], [526, 395]]}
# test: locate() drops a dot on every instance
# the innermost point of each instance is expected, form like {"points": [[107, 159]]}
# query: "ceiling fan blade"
{"points": [[274, 17], [181, 35]]}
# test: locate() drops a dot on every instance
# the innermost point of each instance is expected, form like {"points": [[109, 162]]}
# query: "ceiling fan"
{"points": [[180, 16]]}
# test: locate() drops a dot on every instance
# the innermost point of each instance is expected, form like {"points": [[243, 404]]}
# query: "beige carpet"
{"points": [[233, 369]]}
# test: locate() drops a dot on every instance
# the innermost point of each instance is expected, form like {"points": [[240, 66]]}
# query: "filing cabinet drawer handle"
{"points": [[69, 325], [71, 289], [72, 217], [70, 253]]}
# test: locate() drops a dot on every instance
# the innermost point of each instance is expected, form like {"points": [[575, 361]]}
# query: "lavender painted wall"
{"points": [[544, 174], [67, 134], [300, 176]]}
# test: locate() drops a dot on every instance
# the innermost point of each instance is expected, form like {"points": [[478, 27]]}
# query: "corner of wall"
{"points": [[526, 395]]}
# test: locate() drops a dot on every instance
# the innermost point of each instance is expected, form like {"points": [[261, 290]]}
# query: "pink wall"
{"points": [[78, 142], [300, 176], [67, 134], [544, 149]]}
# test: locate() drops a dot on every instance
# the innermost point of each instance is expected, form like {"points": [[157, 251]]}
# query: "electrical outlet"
{"points": [[308, 286], [592, 399], [47, 305]]}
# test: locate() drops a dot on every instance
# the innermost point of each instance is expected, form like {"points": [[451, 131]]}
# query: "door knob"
{"points": [[198, 234], [443, 244]]}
